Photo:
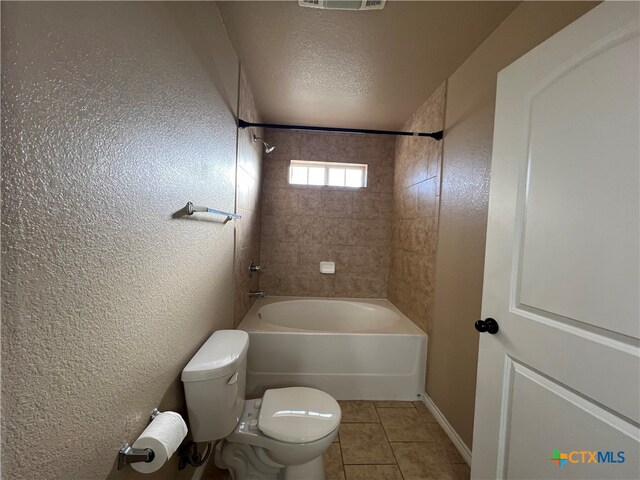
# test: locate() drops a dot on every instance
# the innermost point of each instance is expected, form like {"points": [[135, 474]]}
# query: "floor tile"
{"points": [[438, 432], [405, 425], [451, 453], [423, 410], [448, 449], [461, 471], [333, 463], [393, 404], [372, 472], [365, 444], [422, 461], [358, 411]]}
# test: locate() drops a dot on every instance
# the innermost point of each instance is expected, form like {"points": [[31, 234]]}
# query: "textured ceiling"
{"points": [[368, 69]]}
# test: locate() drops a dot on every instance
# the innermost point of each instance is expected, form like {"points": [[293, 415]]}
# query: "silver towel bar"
{"points": [[191, 209]]}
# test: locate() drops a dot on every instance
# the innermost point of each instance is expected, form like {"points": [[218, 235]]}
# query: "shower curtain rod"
{"points": [[435, 135]]}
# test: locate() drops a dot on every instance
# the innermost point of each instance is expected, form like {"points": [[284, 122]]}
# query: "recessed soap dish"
{"points": [[328, 268]]}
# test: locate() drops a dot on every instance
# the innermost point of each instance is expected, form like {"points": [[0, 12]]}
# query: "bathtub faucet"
{"points": [[257, 293]]}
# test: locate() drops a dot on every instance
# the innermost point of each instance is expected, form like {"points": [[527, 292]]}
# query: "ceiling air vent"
{"points": [[344, 4]]}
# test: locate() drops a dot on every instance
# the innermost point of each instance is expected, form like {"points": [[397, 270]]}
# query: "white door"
{"points": [[558, 392]]}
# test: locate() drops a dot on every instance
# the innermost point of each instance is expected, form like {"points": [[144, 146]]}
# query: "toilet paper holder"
{"points": [[127, 454]]}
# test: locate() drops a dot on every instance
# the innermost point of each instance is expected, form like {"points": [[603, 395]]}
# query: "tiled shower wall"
{"points": [[418, 162], [247, 204], [303, 225]]}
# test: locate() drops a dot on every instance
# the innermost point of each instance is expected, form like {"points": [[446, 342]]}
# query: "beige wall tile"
{"points": [[342, 148], [378, 149], [309, 202], [247, 228], [333, 231], [426, 200], [301, 229], [321, 285], [275, 171], [271, 229], [374, 232], [336, 204], [369, 204], [279, 201], [360, 286], [380, 178], [248, 204], [415, 220], [349, 227], [279, 255], [285, 282]]}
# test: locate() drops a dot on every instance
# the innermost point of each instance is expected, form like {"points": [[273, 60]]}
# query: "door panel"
{"points": [[538, 411], [562, 257], [580, 251]]}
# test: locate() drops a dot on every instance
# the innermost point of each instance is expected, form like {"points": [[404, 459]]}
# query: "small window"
{"points": [[330, 174]]}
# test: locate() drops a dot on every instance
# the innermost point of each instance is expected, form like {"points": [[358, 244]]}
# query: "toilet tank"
{"points": [[214, 385]]}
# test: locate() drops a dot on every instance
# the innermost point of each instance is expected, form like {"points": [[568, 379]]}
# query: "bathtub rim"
{"points": [[252, 323]]}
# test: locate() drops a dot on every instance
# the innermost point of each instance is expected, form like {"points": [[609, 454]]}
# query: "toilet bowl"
{"points": [[281, 436]]}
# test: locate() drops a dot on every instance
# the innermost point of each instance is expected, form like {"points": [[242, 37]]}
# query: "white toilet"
{"points": [[281, 436]]}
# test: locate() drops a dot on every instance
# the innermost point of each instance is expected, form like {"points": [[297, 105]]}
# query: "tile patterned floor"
{"points": [[386, 441]]}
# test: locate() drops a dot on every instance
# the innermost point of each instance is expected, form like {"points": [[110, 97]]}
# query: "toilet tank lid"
{"points": [[220, 355]]}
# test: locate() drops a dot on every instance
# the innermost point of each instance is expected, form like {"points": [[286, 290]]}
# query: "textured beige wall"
{"points": [[303, 225], [114, 116], [418, 162], [247, 204], [453, 342]]}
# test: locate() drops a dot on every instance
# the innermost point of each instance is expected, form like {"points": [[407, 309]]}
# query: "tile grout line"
{"points": [[437, 441], [344, 470], [389, 442]]}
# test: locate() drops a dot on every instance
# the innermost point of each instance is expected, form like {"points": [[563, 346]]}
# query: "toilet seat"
{"points": [[298, 414], [247, 434]]}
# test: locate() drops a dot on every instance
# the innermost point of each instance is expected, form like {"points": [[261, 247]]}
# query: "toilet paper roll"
{"points": [[163, 435]]}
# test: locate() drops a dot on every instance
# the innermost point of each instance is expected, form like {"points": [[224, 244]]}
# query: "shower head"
{"points": [[267, 148]]}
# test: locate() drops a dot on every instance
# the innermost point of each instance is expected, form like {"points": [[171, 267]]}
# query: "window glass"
{"points": [[316, 176], [336, 177], [298, 175], [354, 177], [333, 174]]}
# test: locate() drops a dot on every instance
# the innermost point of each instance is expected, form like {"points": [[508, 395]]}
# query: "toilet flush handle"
{"points": [[233, 379]]}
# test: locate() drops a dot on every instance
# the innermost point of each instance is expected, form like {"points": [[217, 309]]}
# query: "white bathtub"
{"points": [[353, 349]]}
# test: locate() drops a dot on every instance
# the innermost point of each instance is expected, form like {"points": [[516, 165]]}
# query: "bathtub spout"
{"points": [[257, 293]]}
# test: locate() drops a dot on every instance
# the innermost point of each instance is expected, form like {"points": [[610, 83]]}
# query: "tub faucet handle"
{"points": [[257, 293], [254, 268]]}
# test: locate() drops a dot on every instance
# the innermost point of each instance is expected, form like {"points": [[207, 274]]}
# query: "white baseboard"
{"points": [[446, 426]]}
